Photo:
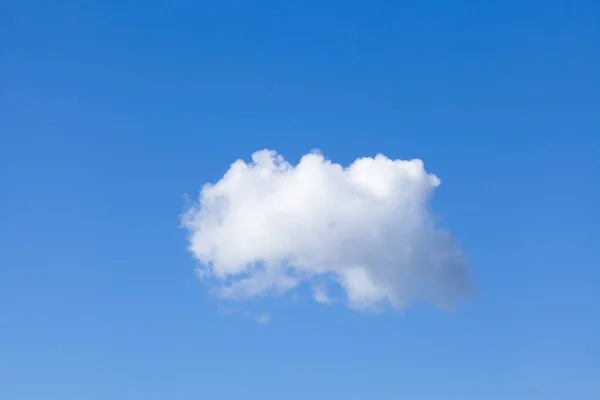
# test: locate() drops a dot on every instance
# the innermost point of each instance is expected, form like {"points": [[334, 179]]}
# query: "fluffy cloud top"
{"points": [[267, 226]]}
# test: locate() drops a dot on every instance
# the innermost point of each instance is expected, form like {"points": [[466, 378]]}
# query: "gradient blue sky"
{"points": [[111, 110]]}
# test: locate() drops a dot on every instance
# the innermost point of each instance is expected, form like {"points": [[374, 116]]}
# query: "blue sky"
{"points": [[111, 111]]}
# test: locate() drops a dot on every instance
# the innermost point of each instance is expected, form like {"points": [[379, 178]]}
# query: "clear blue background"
{"points": [[111, 110]]}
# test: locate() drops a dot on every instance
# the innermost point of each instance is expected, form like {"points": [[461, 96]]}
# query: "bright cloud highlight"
{"points": [[268, 226]]}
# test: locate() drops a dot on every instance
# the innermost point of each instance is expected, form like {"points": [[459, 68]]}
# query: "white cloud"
{"points": [[320, 295], [268, 226], [263, 319]]}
